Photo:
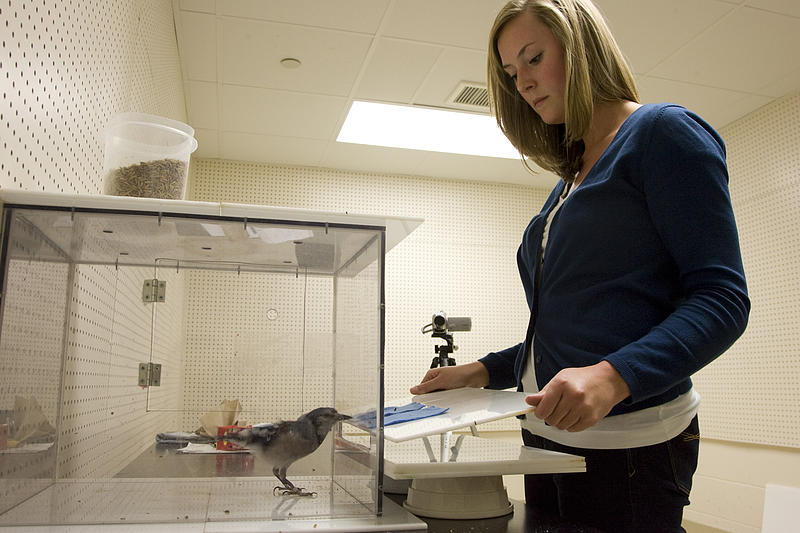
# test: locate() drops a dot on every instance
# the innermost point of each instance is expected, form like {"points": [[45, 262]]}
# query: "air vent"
{"points": [[471, 96]]}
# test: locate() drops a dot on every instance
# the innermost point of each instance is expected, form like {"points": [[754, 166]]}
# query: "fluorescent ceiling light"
{"points": [[422, 128]]}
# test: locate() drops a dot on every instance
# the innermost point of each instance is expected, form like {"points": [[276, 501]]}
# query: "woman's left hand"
{"points": [[576, 398]]}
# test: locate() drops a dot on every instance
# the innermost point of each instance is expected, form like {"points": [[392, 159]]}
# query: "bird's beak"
{"points": [[341, 416]]}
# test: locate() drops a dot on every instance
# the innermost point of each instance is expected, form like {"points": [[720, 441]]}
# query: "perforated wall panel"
{"points": [[357, 341], [461, 260], [105, 421], [750, 394], [34, 306], [65, 69], [245, 341]]}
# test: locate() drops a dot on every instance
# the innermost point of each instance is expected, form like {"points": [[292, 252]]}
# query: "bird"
{"points": [[281, 444]]}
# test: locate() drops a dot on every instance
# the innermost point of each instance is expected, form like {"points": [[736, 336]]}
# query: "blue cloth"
{"points": [[642, 267], [398, 414]]}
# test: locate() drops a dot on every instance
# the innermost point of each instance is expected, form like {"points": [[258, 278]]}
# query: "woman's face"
{"points": [[534, 58]]}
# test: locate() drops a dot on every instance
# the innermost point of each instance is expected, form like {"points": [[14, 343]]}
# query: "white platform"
{"points": [[460, 476], [474, 457], [466, 407]]}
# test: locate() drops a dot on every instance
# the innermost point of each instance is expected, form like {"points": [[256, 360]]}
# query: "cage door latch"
{"points": [[149, 375], [154, 290]]}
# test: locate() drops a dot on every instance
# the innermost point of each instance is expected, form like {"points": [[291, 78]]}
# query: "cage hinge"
{"points": [[149, 375], [154, 290]]}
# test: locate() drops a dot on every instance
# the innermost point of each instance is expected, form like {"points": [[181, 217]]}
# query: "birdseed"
{"points": [[163, 178]]}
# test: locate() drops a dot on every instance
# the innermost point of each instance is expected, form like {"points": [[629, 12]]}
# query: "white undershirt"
{"points": [[645, 427]]}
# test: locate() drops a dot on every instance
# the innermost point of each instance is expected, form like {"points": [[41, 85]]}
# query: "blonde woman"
{"points": [[632, 271]]}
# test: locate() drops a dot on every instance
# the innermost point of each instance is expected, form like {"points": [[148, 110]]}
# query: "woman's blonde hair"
{"points": [[595, 71]]}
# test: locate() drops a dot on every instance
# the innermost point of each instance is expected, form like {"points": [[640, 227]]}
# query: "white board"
{"points": [[466, 407]]}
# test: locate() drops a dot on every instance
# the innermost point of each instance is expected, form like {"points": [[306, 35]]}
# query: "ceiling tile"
{"points": [[352, 15], [203, 6], [786, 84], [720, 58], [197, 39], [453, 66], [743, 107], [785, 7], [396, 69], [717, 106], [202, 103], [745, 51], [238, 146], [465, 23], [207, 143], [487, 169], [252, 51], [280, 113], [367, 158], [648, 31]]}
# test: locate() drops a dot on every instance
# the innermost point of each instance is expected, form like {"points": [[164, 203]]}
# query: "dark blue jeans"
{"points": [[625, 490]]}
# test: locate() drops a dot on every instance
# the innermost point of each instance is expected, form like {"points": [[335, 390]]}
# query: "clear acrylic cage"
{"points": [[123, 318]]}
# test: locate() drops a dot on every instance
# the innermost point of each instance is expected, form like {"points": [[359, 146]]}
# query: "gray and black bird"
{"points": [[282, 443]]}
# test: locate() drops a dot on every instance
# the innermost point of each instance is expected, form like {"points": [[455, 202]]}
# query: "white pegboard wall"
{"points": [[32, 336], [86, 371], [762, 150], [450, 208], [105, 422], [462, 259], [67, 67], [750, 393], [357, 351], [34, 307], [264, 339], [167, 344]]}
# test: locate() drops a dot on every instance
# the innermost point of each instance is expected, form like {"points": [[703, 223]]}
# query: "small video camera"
{"points": [[440, 327]]}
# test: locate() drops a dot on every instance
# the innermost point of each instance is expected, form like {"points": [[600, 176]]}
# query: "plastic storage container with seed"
{"points": [[147, 156]]}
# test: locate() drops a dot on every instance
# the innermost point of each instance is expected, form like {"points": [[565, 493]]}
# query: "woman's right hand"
{"points": [[453, 377]]}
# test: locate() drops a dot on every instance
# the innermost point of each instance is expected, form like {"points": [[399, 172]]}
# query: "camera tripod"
{"points": [[443, 350]]}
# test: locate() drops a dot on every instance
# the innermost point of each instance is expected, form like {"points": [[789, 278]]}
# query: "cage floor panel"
{"points": [[126, 501]]}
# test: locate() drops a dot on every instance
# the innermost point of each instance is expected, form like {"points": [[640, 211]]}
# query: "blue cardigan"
{"points": [[643, 267]]}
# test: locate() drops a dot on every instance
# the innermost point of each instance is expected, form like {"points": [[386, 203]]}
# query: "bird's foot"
{"points": [[292, 491]]}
